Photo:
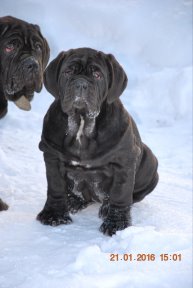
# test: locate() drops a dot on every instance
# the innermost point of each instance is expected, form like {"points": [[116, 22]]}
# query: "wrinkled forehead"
{"points": [[86, 57], [25, 32]]}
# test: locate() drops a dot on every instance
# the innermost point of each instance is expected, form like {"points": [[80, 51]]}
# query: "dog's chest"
{"points": [[86, 178], [79, 141], [80, 132], [87, 184]]}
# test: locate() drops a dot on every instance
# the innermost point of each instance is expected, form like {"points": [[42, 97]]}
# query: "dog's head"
{"points": [[24, 54], [83, 79]]}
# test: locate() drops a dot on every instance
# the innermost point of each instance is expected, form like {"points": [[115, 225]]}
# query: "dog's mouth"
{"points": [[21, 99], [84, 110], [22, 95]]}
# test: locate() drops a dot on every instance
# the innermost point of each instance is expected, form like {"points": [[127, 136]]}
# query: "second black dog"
{"points": [[92, 148]]}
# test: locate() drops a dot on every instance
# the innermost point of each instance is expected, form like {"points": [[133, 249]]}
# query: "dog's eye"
{"points": [[69, 72], [96, 74], [9, 48], [38, 46]]}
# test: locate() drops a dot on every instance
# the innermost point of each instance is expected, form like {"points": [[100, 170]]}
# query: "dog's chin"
{"points": [[82, 111], [14, 96], [26, 91]]}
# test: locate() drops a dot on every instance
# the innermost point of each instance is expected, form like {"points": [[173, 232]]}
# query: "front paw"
{"points": [[116, 220], [75, 203], [53, 218], [110, 227]]}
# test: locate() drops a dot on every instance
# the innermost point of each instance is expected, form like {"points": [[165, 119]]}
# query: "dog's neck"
{"points": [[80, 126]]}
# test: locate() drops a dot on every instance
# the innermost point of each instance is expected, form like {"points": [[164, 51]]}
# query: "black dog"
{"points": [[92, 148], [24, 54]]}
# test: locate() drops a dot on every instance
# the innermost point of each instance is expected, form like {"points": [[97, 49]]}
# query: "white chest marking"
{"points": [[75, 163], [80, 130]]}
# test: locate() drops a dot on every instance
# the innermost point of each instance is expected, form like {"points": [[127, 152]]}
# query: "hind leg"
{"points": [[139, 195]]}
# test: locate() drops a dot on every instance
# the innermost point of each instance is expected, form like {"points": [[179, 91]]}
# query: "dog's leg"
{"points": [[75, 203], [116, 211], [3, 105], [104, 209], [55, 211], [3, 205], [87, 196]]}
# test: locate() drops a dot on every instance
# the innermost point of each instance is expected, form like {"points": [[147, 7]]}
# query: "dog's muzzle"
{"points": [[30, 65], [80, 92], [27, 80]]}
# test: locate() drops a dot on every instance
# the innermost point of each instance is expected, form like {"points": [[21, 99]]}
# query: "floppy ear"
{"points": [[117, 79], [3, 29], [46, 48], [46, 53], [51, 75], [3, 26], [37, 27]]}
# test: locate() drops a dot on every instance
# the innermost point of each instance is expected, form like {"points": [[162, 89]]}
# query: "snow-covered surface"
{"points": [[152, 40]]}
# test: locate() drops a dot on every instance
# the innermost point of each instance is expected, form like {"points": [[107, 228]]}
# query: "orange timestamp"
{"points": [[145, 257]]}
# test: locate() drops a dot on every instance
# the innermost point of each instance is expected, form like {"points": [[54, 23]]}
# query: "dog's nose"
{"points": [[30, 64], [81, 84]]}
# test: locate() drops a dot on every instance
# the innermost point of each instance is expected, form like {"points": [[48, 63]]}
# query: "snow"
{"points": [[153, 42]]}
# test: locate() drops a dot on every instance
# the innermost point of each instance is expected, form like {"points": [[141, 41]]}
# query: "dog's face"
{"points": [[24, 54], [83, 83], [83, 79]]}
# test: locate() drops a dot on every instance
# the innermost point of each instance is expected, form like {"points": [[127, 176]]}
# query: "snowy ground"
{"points": [[152, 40]]}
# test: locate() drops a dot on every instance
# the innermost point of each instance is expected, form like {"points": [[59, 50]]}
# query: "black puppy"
{"points": [[92, 148], [24, 54]]}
